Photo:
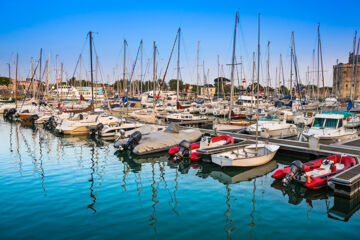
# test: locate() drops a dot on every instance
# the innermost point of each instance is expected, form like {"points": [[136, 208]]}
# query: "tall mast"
{"points": [[268, 70], [291, 64], [313, 74], [154, 74], [9, 64], [32, 73], [57, 77], [218, 84], [258, 83], [124, 69], [197, 70], [280, 71], [233, 66], [253, 80], [322, 65], [39, 81], [61, 78], [91, 72], [141, 69], [178, 68], [318, 64], [96, 75], [16, 78]]}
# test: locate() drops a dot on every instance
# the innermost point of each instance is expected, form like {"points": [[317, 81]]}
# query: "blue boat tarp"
{"points": [[125, 99], [349, 106], [114, 98], [201, 102]]}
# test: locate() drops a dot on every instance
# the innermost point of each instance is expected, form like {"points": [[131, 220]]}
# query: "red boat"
{"points": [[314, 174], [185, 149]]}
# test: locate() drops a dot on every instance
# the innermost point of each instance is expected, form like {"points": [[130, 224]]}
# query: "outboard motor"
{"points": [[296, 173], [97, 129], [132, 141], [9, 114], [50, 124], [184, 150]]}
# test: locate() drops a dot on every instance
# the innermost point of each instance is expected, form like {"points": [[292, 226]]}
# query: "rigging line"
{"points": [[82, 50], [133, 68], [167, 66], [31, 81]]}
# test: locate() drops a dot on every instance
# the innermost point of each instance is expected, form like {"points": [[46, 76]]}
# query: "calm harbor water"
{"points": [[78, 188]]}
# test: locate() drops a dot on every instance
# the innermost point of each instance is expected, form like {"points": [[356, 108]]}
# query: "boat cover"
{"points": [[161, 141]]}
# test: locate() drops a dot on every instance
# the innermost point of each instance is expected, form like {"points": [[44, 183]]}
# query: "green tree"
{"points": [[173, 85], [4, 81]]}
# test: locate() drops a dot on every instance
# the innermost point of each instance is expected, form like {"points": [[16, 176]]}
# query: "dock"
{"points": [[294, 145], [347, 183]]}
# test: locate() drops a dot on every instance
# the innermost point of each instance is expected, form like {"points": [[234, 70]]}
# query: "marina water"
{"points": [[79, 188]]}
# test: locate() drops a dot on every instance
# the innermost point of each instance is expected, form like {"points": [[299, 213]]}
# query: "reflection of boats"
{"points": [[235, 175], [297, 193], [344, 208]]}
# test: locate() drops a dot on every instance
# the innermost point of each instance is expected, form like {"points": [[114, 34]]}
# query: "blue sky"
{"points": [[60, 27]]}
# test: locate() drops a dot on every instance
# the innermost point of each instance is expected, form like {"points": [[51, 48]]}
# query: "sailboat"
{"points": [[247, 155]]}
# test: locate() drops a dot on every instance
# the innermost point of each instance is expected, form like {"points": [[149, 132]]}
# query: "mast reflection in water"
{"points": [[76, 187]]}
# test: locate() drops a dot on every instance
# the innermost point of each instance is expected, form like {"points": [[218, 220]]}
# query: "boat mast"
{"points": [[322, 65], [318, 64], [39, 81], [253, 81], [124, 69], [91, 71], [197, 70], [233, 66], [9, 64], [141, 69], [16, 78], [258, 82], [178, 68], [57, 78], [268, 71], [356, 62], [218, 83], [291, 64], [154, 74]]}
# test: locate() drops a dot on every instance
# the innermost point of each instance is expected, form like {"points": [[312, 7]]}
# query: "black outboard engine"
{"points": [[97, 129], [50, 124], [184, 150], [132, 141], [9, 114], [297, 172]]}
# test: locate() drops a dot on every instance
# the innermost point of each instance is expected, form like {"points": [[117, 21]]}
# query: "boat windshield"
{"points": [[269, 118], [331, 123], [319, 122]]}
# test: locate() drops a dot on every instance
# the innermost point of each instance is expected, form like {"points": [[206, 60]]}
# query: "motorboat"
{"points": [[329, 127], [272, 127], [186, 149], [159, 141], [314, 174]]}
